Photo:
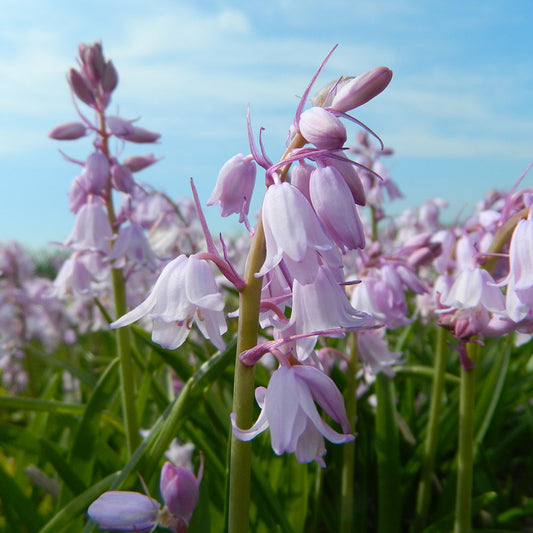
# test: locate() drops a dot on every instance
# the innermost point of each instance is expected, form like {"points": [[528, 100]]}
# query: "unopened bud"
{"points": [[121, 178], [361, 89], [94, 63], [141, 135], [179, 488], [109, 78], [139, 162], [81, 87], [68, 131], [322, 128]]}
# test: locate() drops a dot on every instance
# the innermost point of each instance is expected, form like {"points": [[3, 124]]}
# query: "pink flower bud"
{"points": [[139, 162], [322, 128], [179, 489], [93, 63], [121, 178], [361, 89], [68, 131], [81, 87], [109, 78], [141, 135]]}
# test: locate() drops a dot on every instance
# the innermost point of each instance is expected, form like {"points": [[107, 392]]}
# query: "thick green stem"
{"points": [[388, 457], [127, 377], [348, 451], [430, 445], [465, 454], [243, 389]]}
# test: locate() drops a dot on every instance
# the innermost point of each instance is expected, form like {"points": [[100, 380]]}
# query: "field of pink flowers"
{"points": [[331, 369]]}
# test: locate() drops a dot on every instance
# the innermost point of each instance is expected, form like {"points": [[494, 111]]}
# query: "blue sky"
{"points": [[458, 112]]}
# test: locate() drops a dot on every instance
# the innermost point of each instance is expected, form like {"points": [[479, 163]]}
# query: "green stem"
{"points": [[127, 381], [348, 451], [465, 454], [127, 376], [388, 457], [430, 445], [243, 389], [238, 495]]}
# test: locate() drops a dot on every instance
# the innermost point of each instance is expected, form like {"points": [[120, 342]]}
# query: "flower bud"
{"points": [[322, 128], [141, 135], [109, 78], [361, 89], [179, 488], [92, 58], [121, 178], [68, 131], [81, 87], [139, 162]]}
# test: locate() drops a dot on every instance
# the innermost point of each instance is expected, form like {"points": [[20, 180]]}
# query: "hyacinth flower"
{"points": [[185, 292], [295, 263], [133, 511], [92, 194], [288, 409]]}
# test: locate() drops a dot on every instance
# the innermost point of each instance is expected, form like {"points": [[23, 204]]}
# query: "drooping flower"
{"points": [[292, 230], [185, 292], [288, 409], [234, 186], [333, 203], [321, 305]]}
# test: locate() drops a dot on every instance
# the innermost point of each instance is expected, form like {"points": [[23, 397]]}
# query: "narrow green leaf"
{"points": [[83, 451], [78, 506], [491, 390], [13, 497]]}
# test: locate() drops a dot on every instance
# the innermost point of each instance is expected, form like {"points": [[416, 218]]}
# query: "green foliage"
{"points": [[61, 448]]}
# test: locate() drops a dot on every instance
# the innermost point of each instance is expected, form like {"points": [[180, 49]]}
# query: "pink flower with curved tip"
{"points": [[185, 292], [288, 409]]}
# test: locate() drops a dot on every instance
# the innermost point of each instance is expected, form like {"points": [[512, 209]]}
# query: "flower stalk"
{"points": [[388, 457], [127, 378], [348, 463], [243, 388], [465, 454], [430, 444]]}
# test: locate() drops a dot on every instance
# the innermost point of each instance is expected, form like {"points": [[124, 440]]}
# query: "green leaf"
{"points": [[66, 516], [14, 498]]}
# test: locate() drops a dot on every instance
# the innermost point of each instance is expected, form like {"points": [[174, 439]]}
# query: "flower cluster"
{"points": [[100, 239]]}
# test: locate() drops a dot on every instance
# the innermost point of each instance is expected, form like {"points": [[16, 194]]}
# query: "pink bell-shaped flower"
{"points": [[288, 409], [234, 187]]}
